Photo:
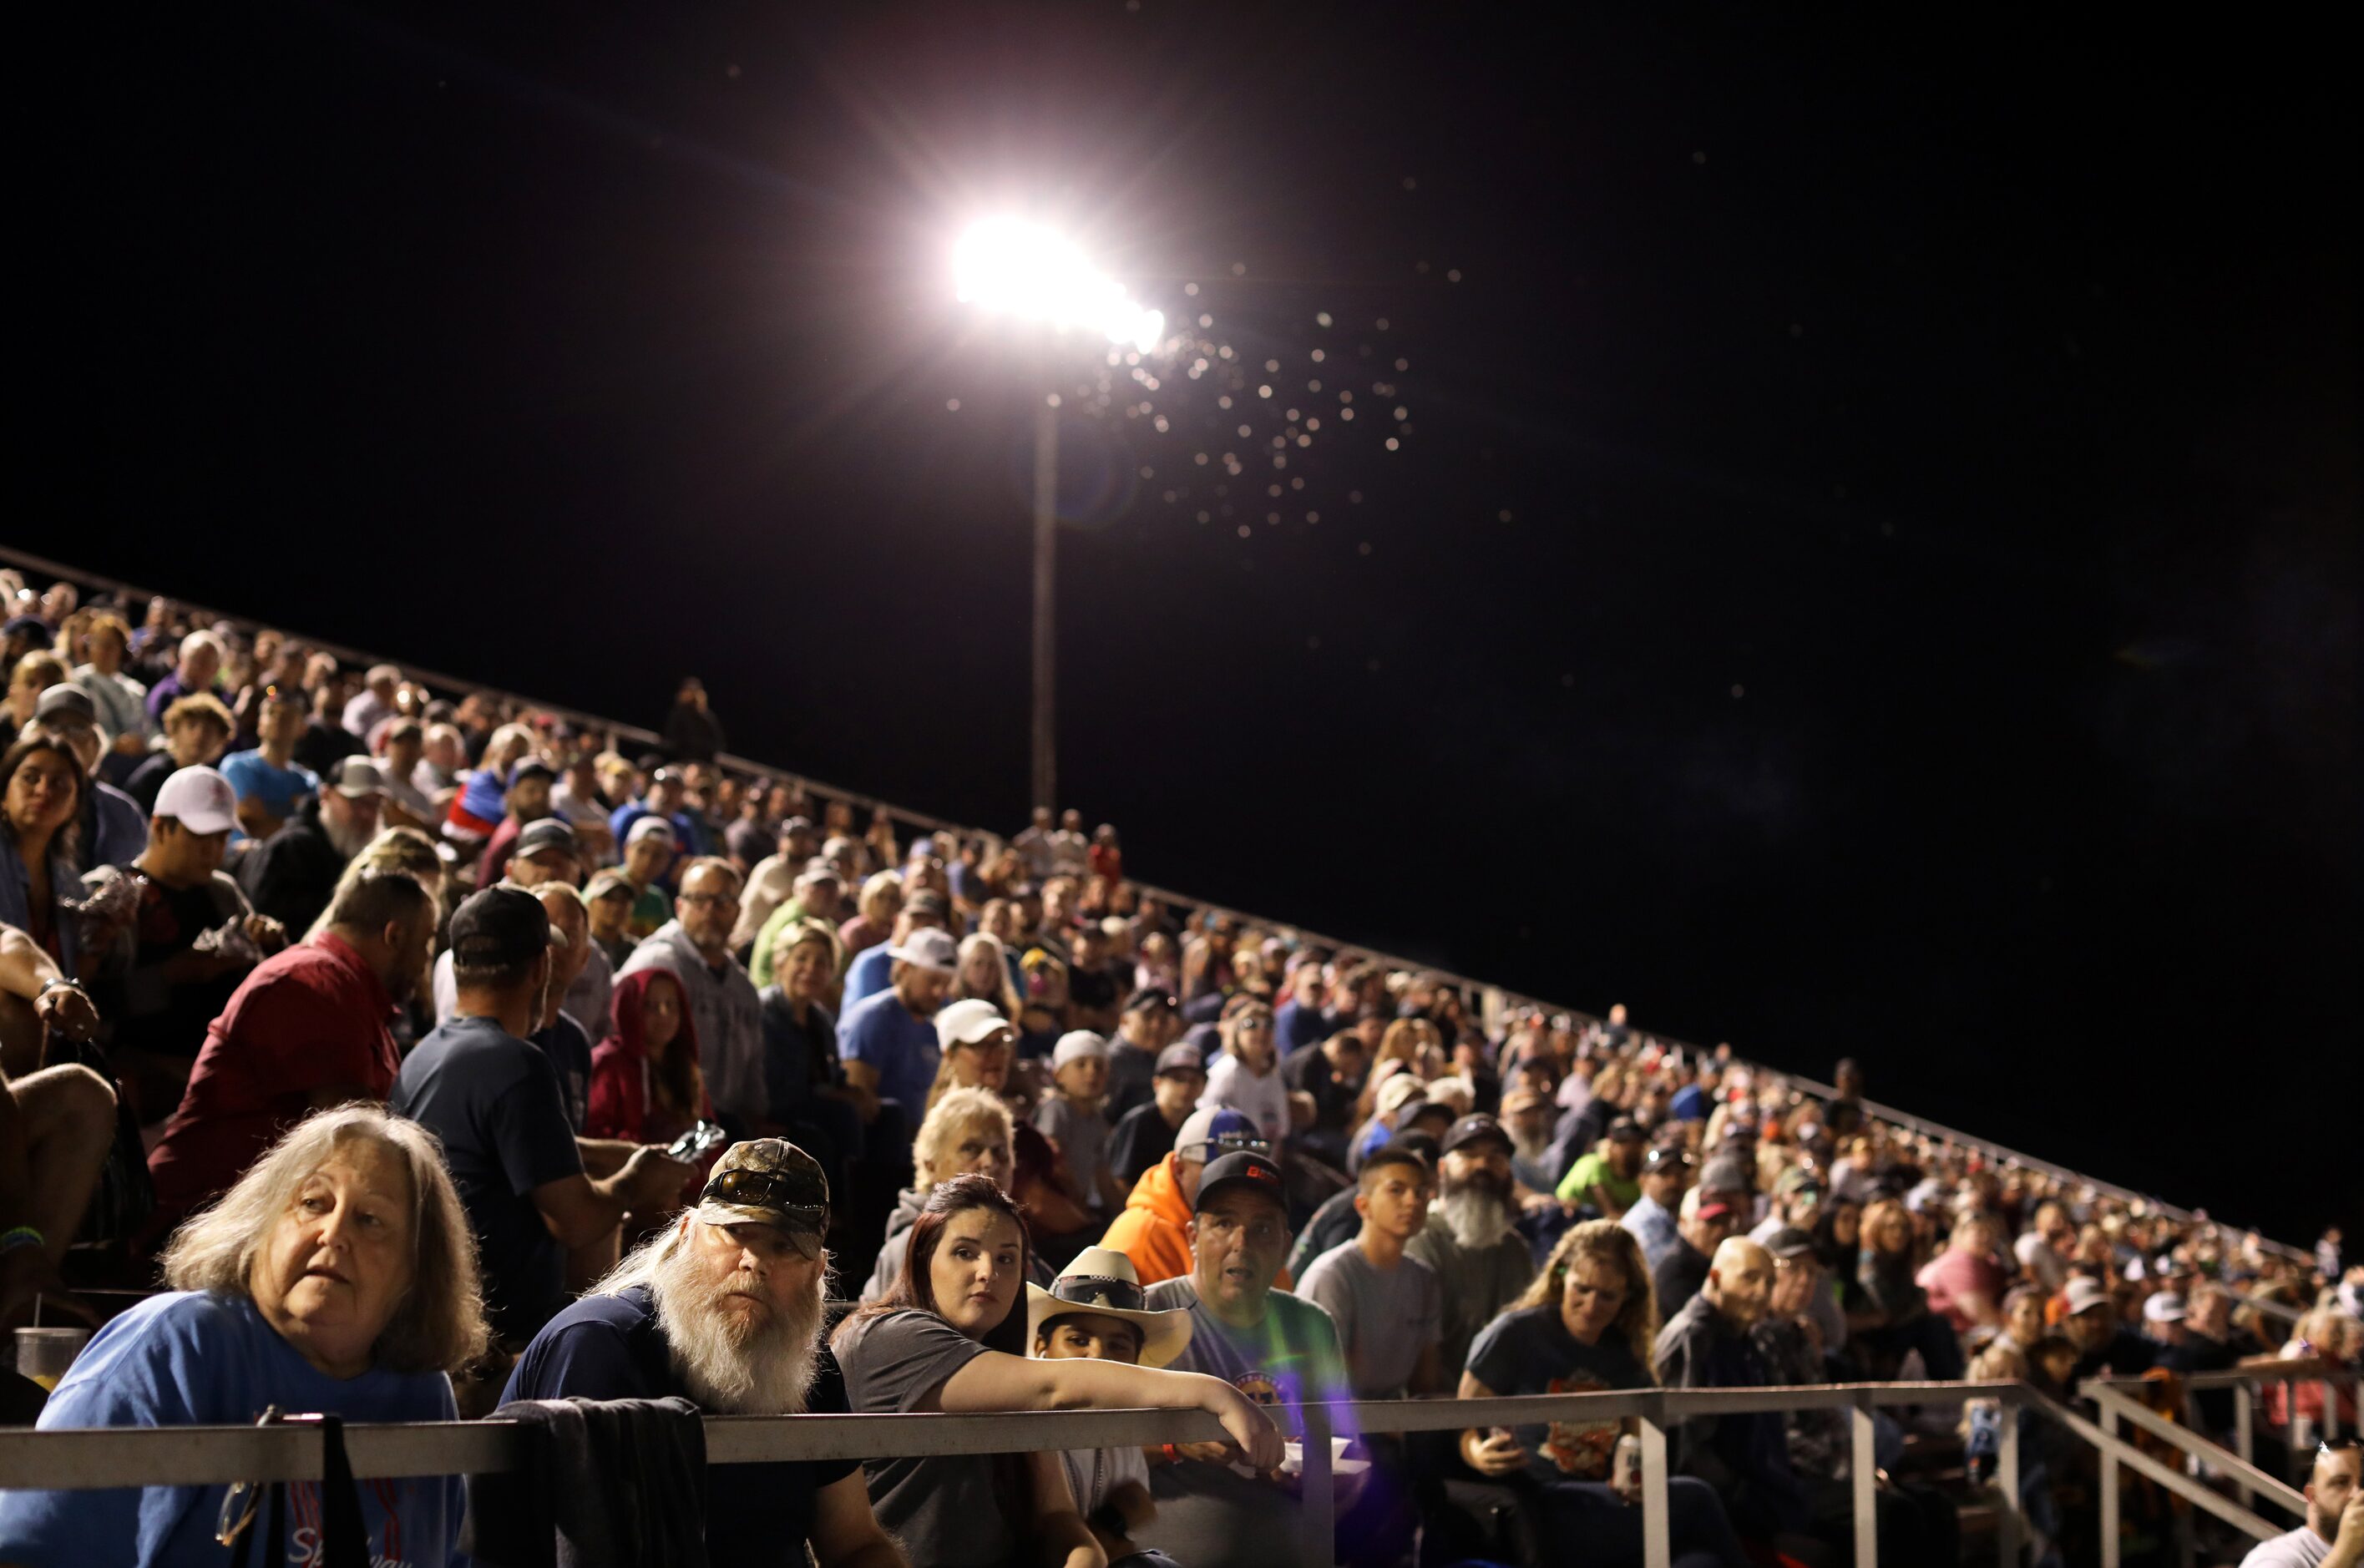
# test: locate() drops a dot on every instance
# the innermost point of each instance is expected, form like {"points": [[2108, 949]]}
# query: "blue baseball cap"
{"points": [[1208, 1126]]}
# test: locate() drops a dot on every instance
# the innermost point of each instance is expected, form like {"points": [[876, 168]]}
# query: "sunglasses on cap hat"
{"points": [[1099, 1290], [793, 1195]]}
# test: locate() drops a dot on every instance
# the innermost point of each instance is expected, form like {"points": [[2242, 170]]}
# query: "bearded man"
{"points": [[724, 1309], [1471, 1240]]}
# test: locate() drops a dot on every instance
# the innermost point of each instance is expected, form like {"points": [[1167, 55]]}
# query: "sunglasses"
{"points": [[804, 1199], [1098, 1290]]}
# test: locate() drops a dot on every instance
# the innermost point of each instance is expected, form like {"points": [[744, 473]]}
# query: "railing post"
{"points": [[2330, 1409], [2245, 1438], [2109, 1493], [1656, 1552], [1317, 1524], [2007, 1488], [1863, 1471]]}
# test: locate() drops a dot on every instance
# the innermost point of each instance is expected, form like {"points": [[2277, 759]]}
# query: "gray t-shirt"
{"points": [[1386, 1317], [1094, 1473], [947, 1511], [1479, 1285], [1210, 1513], [1083, 1140], [2300, 1549]]}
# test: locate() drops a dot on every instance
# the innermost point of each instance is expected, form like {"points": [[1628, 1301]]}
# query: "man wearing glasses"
{"points": [[2333, 1536], [723, 1309], [694, 947]]}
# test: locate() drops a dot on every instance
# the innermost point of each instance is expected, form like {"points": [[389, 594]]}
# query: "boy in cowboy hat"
{"points": [[1094, 1311]]}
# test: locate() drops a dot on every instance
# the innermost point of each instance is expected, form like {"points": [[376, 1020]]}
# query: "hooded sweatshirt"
{"points": [[898, 1242], [620, 1092], [1155, 1229]]}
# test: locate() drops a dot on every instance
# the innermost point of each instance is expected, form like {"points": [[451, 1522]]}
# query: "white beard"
{"points": [[733, 1365], [1478, 1218]]}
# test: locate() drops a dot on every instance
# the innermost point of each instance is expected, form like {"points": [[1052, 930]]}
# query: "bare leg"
{"points": [[68, 1115]]}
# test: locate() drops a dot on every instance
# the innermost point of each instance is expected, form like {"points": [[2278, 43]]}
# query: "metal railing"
{"points": [[1495, 996]]}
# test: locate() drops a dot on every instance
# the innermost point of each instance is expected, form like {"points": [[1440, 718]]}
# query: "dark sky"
{"points": [[1871, 563]]}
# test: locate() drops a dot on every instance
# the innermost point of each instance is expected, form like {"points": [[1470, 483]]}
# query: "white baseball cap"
{"points": [[1077, 1045], [967, 1021], [200, 800], [929, 949]]}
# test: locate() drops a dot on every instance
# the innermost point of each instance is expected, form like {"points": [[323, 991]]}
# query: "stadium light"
{"points": [[1014, 268], [1006, 266]]}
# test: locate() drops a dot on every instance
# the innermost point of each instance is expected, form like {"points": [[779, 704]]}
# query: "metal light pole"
{"points": [[1018, 269]]}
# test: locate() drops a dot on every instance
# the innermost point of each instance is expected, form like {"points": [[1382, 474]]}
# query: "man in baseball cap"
{"points": [[292, 875], [724, 1308], [1145, 1134], [1153, 1229], [888, 1040]]}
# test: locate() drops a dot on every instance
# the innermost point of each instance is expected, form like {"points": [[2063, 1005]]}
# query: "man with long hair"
{"points": [[724, 1309]]}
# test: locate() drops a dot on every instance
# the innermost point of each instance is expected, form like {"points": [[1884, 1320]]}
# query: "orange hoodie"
{"points": [[1155, 1229]]}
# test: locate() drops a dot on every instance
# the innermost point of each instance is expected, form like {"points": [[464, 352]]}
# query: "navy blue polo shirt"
{"points": [[609, 1347], [495, 1101]]}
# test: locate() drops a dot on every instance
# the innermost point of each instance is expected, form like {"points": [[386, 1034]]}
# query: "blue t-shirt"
{"points": [[609, 1347], [255, 777], [495, 1101], [1689, 1104], [872, 971], [569, 1049], [1530, 1351], [192, 1358], [901, 1047]]}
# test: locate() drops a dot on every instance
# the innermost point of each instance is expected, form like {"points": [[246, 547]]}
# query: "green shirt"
{"points": [[1591, 1171]]}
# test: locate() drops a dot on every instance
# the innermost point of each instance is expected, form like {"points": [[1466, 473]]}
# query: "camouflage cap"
{"points": [[768, 1181]]}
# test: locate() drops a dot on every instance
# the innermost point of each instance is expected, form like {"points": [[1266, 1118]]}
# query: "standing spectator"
{"points": [[1703, 1224], [695, 946], [268, 779], [197, 728], [1280, 1348], [304, 1030], [200, 662], [1246, 1076], [691, 731], [494, 1101], [1586, 1324], [292, 874], [724, 1309], [887, 1043], [1033, 845], [41, 786], [1388, 1307], [1144, 1135], [1470, 1239]]}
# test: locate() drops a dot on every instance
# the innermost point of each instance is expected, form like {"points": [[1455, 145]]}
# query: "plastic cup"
{"points": [[44, 1354]]}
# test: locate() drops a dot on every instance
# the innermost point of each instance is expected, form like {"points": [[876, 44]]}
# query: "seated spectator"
{"points": [[1387, 1305], [1797, 1203], [326, 742], [526, 803], [111, 830], [803, 1085], [1144, 1135], [967, 1132], [121, 700], [872, 971], [977, 1045], [268, 780], [2104, 1348], [1073, 1117], [1330, 1074], [724, 1309], [494, 1100], [1151, 1021], [1965, 1281], [157, 988], [336, 1276], [607, 898], [1745, 1457], [983, 974], [373, 703], [57, 1125], [667, 797], [946, 1338], [1246, 1076], [200, 662], [2044, 1247], [1586, 1324], [1703, 1223], [887, 1043], [877, 908], [1155, 1229], [41, 788], [32, 675], [1527, 1117], [694, 948], [1092, 1312], [1606, 1179], [408, 802], [1275, 1347], [645, 1083], [292, 875], [304, 1030], [1665, 1176], [1905, 1323], [649, 852], [1471, 1240], [561, 1036], [2333, 1536], [1395, 1101], [196, 730]]}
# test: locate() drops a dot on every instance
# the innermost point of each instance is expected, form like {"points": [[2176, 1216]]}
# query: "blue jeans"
{"points": [[1587, 1523]]}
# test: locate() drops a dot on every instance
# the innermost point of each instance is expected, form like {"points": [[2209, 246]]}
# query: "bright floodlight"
{"points": [[1024, 270]]}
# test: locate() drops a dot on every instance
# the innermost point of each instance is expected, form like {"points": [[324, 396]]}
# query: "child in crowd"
{"points": [[1074, 1117], [1093, 1311]]}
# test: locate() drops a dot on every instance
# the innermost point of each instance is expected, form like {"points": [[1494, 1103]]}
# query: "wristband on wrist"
{"points": [[58, 983], [19, 1237], [1171, 1457]]}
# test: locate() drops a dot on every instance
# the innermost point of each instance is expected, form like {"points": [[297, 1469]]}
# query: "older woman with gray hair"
{"points": [[337, 1277]]}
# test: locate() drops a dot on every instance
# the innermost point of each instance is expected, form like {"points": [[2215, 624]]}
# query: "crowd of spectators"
{"points": [[428, 1052]]}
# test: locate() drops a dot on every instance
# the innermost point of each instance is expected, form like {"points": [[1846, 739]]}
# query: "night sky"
{"points": [[1868, 562]]}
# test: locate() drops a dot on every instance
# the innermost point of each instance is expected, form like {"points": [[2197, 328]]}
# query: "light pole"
{"points": [[1012, 267]]}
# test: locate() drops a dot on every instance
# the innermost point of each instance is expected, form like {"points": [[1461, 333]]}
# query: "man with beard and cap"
{"points": [[1471, 1240], [723, 1309], [293, 874]]}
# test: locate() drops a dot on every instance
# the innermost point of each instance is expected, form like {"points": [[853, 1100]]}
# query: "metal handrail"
{"points": [[57, 570], [2112, 1399]]}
